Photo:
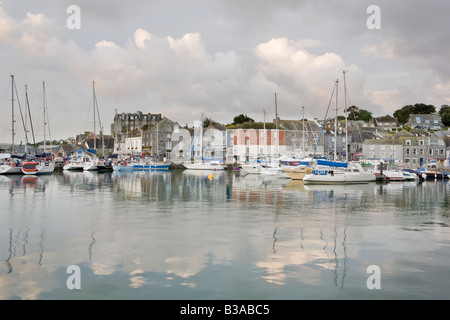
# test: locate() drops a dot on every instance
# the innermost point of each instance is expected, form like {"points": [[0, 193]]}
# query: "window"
{"points": [[382, 155], [407, 151], [382, 147], [418, 119], [372, 147], [427, 121], [414, 151], [408, 142], [421, 142]]}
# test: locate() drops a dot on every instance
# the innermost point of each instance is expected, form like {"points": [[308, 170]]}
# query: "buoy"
{"points": [[211, 176]]}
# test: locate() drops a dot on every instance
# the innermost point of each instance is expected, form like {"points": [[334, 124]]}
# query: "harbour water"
{"points": [[189, 235]]}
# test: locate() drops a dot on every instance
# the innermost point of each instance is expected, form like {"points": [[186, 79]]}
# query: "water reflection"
{"points": [[181, 233]]}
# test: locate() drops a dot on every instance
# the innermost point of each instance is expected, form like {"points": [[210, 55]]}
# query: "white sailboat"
{"points": [[331, 172], [92, 164], [77, 162], [298, 172], [43, 164], [352, 172], [271, 167]]}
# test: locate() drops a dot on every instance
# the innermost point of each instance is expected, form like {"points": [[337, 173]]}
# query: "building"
{"points": [[425, 122], [215, 142], [253, 144], [388, 150], [181, 143], [388, 123], [157, 139], [302, 141], [129, 144], [125, 122], [338, 143]]}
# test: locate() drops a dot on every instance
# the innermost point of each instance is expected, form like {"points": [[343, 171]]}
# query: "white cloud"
{"points": [[184, 74]]}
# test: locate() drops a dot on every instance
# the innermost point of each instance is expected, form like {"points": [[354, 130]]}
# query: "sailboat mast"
{"points": [[303, 133], [276, 112], [44, 103], [12, 113], [335, 123], [346, 122], [93, 99]]}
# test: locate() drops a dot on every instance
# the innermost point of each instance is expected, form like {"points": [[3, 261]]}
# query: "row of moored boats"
{"points": [[329, 172]]}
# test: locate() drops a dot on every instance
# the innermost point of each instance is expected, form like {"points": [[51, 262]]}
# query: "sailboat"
{"points": [[271, 168], [331, 172], [92, 165], [298, 172], [44, 163], [10, 163]]}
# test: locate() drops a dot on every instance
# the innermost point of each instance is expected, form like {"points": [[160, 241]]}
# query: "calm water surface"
{"points": [[187, 235]]}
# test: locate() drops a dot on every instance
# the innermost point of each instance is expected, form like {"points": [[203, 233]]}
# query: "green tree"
{"points": [[207, 122], [355, 114], [365, 115], [444, 112], [242, 118], [402, 114]]}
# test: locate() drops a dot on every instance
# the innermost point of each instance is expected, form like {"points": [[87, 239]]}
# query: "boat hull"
{"points": [[8, 169], [325, 177], [204, 166], [34, 168], [296, 173]]}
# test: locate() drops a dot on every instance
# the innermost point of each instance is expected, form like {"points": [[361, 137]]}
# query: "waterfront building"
{"points": [[126, 122], [425, 122], [388, 123], [181, 142], [253, 144], [157, 139], [389, 150]]}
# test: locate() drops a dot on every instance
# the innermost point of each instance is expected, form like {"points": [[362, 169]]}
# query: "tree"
{"points": [[444, 112], [353, 113], [242, 118], [356, 114], [402, 114], [365, 115], [207, 122]]}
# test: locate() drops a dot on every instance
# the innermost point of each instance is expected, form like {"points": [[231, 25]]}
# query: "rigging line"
{"points": [[31, 121], [46, 118], [324, 120], [21, 114]]}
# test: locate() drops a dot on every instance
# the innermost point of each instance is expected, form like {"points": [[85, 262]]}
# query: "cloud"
{"points": [[230, 61]]}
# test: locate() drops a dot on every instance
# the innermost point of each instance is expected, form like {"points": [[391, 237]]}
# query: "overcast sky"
{"points": [[183, 58]]}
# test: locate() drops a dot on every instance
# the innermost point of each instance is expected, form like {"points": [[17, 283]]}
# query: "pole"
{"points": [[346, 116], [303, 133], [276, 112], [12, 113], [335, 123], [93, 100]]}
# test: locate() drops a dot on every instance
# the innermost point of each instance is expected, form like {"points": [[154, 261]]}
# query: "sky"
{"points": [[218, 58]]}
